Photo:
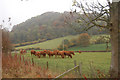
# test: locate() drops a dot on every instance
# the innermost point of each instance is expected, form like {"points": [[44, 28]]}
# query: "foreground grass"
{"points": [[17, 67], [101, 61]]}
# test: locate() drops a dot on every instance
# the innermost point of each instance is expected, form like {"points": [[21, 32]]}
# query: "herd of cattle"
{"points": [[55, 53]]}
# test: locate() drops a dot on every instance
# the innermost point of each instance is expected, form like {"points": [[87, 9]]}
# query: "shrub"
{"points": [[84, 40], [102, 39], [62, 47]]}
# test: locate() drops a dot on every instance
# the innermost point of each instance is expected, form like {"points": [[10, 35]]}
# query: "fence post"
{"points": [[32, 62], [80, 68], [92, 70], [47, 65], [75, 64]]}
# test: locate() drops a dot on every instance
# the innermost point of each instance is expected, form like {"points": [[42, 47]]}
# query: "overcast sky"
{"points": [[20, 11]]}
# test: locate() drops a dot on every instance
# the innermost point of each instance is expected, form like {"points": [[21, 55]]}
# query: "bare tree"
{"points": [[106, 16]]}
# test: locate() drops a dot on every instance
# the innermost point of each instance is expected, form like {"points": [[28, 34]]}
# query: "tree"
{"points": [[84, 40], [92, 14], [6, 44], [5, 40]]}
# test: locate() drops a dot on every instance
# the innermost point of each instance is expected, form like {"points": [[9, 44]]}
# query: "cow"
{"points": [[33, 52], [72, 52], [43, 53], [38, 54], [49, 53], [23, 51], [56, 53], [79, 51], [68, 53], [61, 53]]}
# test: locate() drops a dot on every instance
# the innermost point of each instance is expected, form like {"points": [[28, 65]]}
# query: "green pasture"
{"points": [[101, 61], [50, 44], [54, 43], [95, 47]]}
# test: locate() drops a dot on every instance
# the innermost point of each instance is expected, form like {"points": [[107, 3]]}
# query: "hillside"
{"points": [[47, 26], [50, 44], [54, 43]]}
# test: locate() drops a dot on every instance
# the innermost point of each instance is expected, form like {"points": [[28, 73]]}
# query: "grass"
{"points": [[17, 67], [95, 47], [101, 61], [52, 44]]}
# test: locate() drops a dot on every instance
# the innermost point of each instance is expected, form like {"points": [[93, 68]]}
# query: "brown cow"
{"points": [[79, 51], [38, 54], [61, 53], [68, 53], [43, 53], [56, 53], [24, 51], [72, 52], [33, 52], [21, 51], [49, 53]]}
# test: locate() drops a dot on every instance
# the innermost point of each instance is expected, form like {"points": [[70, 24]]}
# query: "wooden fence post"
{"points": [[75, 64], [32, 62], [47, 65], [80, 68], [92, 70]]}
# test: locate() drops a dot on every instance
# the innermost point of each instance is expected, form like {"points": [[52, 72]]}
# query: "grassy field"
{"points": [[51, 44], [101, 61], [95, 47]]}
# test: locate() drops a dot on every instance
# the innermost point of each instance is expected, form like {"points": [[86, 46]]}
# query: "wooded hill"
{"points": [[47, 26]]}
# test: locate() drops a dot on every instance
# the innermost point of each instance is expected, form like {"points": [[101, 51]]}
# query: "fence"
{"points": [[76, 68]]}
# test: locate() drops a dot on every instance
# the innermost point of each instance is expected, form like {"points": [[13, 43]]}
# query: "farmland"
{"points": [[95, 47], [54, 43], [50, 44], [101, 60]]}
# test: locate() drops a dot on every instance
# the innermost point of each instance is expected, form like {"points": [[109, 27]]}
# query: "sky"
{"points": [[20, 11]]}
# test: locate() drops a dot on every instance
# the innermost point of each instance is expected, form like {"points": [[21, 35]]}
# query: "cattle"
{"points": [[68, 53], [38, 54], [23, 51], [56, 53], [72, 52], [79, 51], [61, 53], [52, 53], [49, 53], [43, 53], [33, 52]]}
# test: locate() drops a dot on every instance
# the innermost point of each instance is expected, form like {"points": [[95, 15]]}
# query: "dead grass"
{"points": [[17, 67]]}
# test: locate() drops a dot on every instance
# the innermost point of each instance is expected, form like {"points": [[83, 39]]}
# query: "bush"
{"points": [[61, 47], [102, 39], [84, 40]]}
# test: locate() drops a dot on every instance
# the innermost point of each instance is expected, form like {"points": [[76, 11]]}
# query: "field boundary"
{"points": [[76, 68], [93, 51]]}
